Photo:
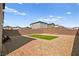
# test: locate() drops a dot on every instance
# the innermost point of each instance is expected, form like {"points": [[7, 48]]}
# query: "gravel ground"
{"points": [[61, 46]]}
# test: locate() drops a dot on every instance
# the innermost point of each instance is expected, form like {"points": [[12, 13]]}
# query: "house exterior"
{"points": [[51, 25], [38, 25], [75, 28], [24, 28], [59, 26], [7, 27], [11, 28]]}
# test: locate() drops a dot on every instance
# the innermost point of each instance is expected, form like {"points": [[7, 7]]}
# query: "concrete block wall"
{"points": [[40, 31], [11, 32], [61, 31]]}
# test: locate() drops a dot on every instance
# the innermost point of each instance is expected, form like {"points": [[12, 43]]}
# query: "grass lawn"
{"points": [[46, 37]]}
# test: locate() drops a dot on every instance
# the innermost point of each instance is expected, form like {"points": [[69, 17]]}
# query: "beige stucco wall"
{"points": [[1, 18], [50, 26], [35, 26], [39, 25], [43, 25]]}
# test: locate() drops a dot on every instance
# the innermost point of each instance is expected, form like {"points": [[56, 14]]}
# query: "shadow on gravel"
{"points": [[15, 43]]}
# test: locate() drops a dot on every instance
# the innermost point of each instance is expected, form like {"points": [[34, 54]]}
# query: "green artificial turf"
{"points": [[46, 37]]}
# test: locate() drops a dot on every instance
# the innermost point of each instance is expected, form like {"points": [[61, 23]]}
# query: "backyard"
{"points": [[61, 46]]}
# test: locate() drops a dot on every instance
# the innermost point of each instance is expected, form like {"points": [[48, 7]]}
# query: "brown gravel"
{"points": [[61, 46]]}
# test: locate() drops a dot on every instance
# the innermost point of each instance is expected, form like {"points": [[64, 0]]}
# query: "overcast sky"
{"points": [[21, 14]]}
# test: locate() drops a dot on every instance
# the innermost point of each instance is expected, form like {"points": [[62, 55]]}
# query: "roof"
{"points": [[51, 24], [7, 26], [11, 27], [38, 22]]}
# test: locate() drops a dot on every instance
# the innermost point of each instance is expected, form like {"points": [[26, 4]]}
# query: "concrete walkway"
{"points": [[61, 46]]}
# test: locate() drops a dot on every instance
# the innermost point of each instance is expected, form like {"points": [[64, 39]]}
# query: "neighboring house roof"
{"points": [[76, 28], [52, 24], [7, 27], [38, 22], [25, 28], [59, 26]]}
